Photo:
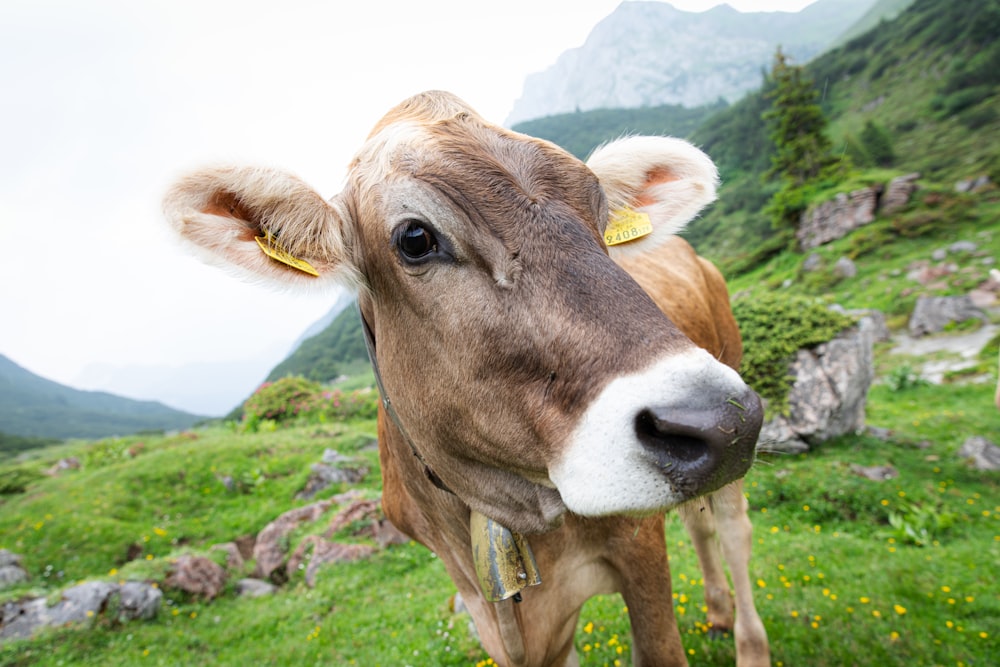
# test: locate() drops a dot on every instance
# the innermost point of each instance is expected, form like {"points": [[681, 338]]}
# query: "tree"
{"points": [[802, 151], [877, 144]]}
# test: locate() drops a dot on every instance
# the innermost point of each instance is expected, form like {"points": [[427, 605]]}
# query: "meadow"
{"points": [[848, 571]]}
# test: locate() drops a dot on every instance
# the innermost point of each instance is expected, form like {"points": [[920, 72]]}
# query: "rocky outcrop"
{"points": [[898, 194], [838, 217], [828, 395]]}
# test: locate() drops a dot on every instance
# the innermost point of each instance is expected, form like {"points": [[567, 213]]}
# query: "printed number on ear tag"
{"points": [[627, 225], [269, 244]]}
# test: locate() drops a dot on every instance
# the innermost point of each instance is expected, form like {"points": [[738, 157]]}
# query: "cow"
{"points": [[540, 411]]}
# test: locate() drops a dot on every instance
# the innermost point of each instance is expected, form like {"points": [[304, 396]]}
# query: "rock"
{"points": [[324, 552], [79, 604], [898, 194], [387, 534], [933, 313], [197, 575], [325, 475], [973, 184], [845, 268], [234, 559], [812, 263], [828, 395], [875, 473], [270, 549], [983, 454], [11, 572], [873, 322], [939, 255], [254, 588], [837, 217], [353, 513], [62, 465], [138, 600], [959, 247]]}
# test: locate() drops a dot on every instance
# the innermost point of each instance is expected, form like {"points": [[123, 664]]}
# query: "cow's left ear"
{"points": [[654, 186]]}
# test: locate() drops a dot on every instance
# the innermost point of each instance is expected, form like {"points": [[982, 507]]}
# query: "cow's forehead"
{"points": [[466, 150]]}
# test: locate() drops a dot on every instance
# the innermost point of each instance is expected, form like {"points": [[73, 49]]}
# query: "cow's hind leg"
{"points": [[736, 537], [699, 520], [720, 520]]}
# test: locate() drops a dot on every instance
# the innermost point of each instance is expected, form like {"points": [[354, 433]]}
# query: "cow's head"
{"points": [[532, 373]]}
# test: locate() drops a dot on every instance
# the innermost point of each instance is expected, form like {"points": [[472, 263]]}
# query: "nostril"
{"points": [[672, 442]]}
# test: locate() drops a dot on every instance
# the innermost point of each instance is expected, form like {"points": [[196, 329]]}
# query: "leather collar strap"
{"points": [[387, 404]]}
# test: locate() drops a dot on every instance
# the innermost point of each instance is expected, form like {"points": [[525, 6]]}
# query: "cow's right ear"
{"points": [[265, 223]]}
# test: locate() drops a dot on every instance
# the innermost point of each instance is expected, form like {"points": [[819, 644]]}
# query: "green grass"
{"points": [[836, 583]]}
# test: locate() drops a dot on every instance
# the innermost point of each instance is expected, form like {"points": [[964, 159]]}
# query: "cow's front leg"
{"points": [[640, 558]]}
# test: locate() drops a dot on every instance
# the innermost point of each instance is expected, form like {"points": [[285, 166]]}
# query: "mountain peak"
{"points": [[650, 53]]}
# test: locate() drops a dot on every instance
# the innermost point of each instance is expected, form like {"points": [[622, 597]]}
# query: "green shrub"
{"points": [[774, 327], [283, 400], [297, 399]]}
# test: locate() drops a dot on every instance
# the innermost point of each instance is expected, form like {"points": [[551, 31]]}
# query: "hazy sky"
{"points": [[103, 102]]}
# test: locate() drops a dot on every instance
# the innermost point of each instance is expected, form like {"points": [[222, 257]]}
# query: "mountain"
{"points": [[33, 406], [339, 349], [650, 54], [929, 80]]}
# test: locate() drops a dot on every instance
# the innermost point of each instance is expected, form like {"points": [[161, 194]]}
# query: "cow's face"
{"points": [[531, 373]]}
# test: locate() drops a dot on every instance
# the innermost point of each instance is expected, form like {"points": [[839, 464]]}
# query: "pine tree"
{"points": [[802, 151]]}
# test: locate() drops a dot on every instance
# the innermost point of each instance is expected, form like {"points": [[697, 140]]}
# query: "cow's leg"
{"points": [[736, 536], [646, 590], [699, 520]]}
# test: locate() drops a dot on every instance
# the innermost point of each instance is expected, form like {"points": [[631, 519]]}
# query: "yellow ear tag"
{"points": [[627, 225], [269, 244]]}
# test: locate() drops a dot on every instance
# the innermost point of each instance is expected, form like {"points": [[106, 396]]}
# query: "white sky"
{"points": [[103, 102]]}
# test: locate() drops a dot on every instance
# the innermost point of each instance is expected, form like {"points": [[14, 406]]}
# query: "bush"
{"points": [[295, 398], [774, 327]]}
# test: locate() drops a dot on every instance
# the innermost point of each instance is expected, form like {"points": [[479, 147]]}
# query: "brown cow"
{"points": [[544, 412]]}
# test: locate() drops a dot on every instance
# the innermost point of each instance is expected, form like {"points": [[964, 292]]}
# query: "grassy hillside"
{"points": [[581, 132], [35, 407], [337, 350], [929, 79]]}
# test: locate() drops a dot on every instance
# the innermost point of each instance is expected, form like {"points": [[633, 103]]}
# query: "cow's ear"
{"points": [[265, 223], [654, 186]]}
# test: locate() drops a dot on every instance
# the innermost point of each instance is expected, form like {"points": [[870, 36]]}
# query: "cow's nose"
{"points": [[702, 448]]}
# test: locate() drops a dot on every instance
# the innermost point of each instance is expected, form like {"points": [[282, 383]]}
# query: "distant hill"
{"points": [[649, 54], [583, 131], [339, 349], [34, 407]]}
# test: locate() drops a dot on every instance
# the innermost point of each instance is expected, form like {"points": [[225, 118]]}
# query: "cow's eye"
{"points": [[415, 241]]}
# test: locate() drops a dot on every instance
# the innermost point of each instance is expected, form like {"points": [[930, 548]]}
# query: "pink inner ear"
{"points": [[228, 205], [653, 178]]}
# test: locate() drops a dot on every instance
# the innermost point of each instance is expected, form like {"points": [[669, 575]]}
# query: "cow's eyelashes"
{"points": [[416, 241]]}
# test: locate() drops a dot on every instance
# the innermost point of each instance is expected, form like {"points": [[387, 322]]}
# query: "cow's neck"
{"points": [[387, 404], [504, 562]]}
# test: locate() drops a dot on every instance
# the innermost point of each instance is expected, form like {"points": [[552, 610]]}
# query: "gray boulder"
{"points": [[983, 454], [828, 395], [78, 605], [11, 572], [933, 313]]}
